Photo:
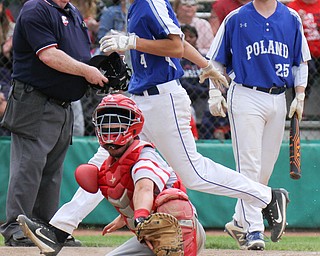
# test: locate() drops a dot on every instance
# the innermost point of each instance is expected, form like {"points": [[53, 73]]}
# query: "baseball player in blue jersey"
{"points": [[264, 51], [156, 44]]}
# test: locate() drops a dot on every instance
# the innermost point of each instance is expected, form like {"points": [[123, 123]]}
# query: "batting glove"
{"points": [[217, 103], [297, 105], [214, 75], [118, 42]]}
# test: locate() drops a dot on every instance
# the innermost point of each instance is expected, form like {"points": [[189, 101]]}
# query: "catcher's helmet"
{"points": [[117, 119], [114, 68]]}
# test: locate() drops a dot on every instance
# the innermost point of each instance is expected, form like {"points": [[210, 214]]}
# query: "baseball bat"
{"points": [[295, 153]]}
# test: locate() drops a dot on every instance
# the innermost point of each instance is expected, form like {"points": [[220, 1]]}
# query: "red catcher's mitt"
{"points": [[163, 231]]}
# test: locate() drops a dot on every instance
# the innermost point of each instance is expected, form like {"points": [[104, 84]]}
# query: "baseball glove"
{"points": [[164, 233]]}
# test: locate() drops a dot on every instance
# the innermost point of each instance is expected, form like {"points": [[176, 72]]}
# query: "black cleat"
{"points": [[276, 213], [41, 235]]}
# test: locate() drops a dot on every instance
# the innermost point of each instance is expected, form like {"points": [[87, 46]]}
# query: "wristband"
{"points": [[142, 212]]}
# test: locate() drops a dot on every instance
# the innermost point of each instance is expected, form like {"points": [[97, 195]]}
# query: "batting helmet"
{"points": [[117, 119], [114, 68]]}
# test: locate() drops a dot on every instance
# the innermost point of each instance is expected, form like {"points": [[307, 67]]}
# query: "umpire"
{"points": [[50, 48]]}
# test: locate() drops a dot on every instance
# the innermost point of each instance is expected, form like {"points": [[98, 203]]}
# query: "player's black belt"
{"points": [[153, 90], [272, 90]]}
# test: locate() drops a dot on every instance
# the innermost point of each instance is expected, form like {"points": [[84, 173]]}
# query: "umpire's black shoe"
{"points": [[276, 213], [41, 235], [72, 242], [19, 239]]}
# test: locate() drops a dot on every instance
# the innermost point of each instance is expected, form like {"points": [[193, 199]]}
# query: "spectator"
{"points": [[186, 13], [6, 32], [210, 127], [220, 9], [14, 8], [197, 92], [88, 9], [309, 11], [113, 17], [48, 74]]}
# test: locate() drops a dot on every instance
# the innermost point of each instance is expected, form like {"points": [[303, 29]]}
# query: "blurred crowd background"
{"points": [[199, 20]]}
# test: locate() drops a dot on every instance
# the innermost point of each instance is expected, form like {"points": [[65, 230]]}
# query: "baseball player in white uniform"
{"points": [[156, 44], [264, 51]]}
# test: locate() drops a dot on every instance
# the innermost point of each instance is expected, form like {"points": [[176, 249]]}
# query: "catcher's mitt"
{"points": [[115, 69], [163, 231]]}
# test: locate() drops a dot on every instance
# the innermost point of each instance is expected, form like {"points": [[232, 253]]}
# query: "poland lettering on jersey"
{"points": [[267, 47], [247, 40]]}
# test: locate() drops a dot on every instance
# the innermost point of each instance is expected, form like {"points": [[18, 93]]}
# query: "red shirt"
{"points": [[223, 7], [310, 16]]}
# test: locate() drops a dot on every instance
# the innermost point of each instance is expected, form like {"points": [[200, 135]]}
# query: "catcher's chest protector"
{"points": [[115, 180]]}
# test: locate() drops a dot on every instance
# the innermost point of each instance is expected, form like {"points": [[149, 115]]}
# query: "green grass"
{"points": [[289, 243]]}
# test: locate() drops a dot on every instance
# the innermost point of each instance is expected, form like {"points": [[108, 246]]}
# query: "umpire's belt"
{"points": [[272, 90], [155, 90], [28, 88], [64, 104]]}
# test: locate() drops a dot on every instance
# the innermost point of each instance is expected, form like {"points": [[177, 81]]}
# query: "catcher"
{"points": [[145, 191]]}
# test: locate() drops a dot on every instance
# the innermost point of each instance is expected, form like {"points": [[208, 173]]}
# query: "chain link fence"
{"points": [[208, 127]]}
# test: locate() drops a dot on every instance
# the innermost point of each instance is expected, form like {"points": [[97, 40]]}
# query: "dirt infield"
{"points": [[94, 251], [101, 251]]}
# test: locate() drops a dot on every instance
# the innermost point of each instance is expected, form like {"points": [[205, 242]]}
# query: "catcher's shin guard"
{"points": [[176, 202]]}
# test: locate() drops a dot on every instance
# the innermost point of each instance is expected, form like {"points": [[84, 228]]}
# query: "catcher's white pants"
{"points": [[70, 215], [167, 126], [257, 121]]}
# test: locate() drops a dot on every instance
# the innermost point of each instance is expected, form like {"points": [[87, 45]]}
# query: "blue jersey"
{"points": [[152, 19], [246, 41]]}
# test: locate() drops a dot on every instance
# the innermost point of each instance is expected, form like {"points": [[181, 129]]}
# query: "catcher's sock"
{"points": [[60, 234]]}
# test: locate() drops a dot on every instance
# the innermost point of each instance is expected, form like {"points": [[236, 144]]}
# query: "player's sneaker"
{"points": [[237, 233], [276, 213], [41, 235], [255, 241]]}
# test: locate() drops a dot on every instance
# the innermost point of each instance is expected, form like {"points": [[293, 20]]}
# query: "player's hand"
{"points": [[214, 75], [116, 224], [217, 103], [297, 105], [118, 42]]}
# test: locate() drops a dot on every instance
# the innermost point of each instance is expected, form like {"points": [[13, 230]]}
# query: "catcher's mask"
{"points": [[115, 69], [117, 120]]}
